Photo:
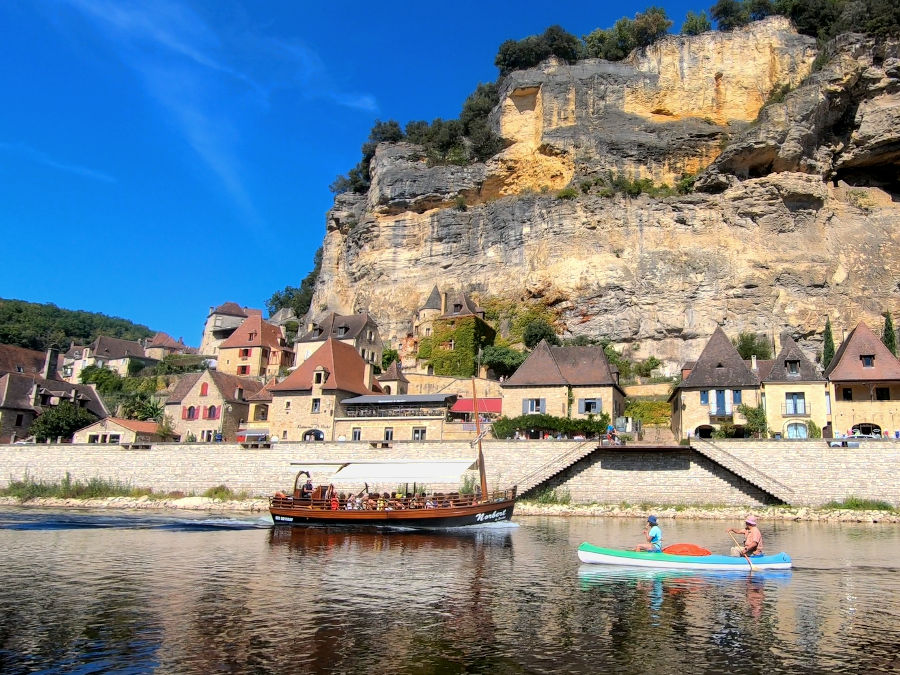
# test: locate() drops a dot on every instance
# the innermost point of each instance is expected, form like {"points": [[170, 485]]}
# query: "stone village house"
{"points": [[221, 322], [115, 430], [210, 405], [573, 382], [105, 352], [360, 331], [307, 402], [256, 348]]}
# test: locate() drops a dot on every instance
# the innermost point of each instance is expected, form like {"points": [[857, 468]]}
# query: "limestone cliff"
{"points": [[796, 218]]}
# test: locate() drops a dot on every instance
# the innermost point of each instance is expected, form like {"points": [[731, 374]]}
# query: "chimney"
{"points": [[443, 303], [368, 371], [50, 364], [310, 327], [753, 362]]}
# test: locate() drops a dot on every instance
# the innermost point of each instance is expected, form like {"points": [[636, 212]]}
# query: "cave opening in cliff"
{"points": [[885, 176]]}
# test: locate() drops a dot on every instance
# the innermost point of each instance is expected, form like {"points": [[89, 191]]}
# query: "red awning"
{"points": [[485, 405]]}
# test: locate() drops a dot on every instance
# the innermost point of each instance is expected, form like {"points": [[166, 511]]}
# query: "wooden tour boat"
{"points": [[324, 505]]}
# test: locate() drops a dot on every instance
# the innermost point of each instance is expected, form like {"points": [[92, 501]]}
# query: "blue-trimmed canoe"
{"points": [[588, 553]]}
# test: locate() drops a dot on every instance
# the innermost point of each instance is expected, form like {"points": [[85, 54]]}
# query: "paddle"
{"points": [[746, 557]]}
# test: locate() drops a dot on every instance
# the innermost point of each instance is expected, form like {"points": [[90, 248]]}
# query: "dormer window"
{"points": [[252, 335], [792, 367], [457, 308], [342, 331], [320, 375], [719, 365], [868, 360]]}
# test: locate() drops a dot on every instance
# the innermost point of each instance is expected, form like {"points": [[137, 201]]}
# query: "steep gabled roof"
{"points": [[255, 332], [135, 425], [467, 306], [778, 372], [166, 341], [720, 365], [344, 366], [331, 324], [14, 359], [227, 386], [847, 366], [16, 393], [264, 394], [393, 374], [554, 366], [434, 300], [114, 348]]}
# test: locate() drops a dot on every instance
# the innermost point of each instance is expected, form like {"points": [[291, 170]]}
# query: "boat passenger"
{"points": [[653, 536], [429, 504], [307, 489], [335, 503], [380, 504], [348, 504], [753, 543]]}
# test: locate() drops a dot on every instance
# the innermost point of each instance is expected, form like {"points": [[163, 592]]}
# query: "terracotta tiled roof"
{"points": [[847, 364], [344, 366], [576, 366], [148, 427], [166, 341], [233, 309], [227, 386], [342, 327], [778, 372], [264, 394], [720, 365], [15, 359], [393, 374], [254, 332]]}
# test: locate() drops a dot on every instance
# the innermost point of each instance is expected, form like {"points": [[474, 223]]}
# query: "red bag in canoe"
{"points": [[686, 549]]}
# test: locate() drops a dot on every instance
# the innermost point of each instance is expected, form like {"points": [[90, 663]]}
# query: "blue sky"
{"points": [[160, 157]]}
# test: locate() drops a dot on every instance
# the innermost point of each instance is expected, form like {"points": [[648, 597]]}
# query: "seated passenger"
{"points": [[335, 503], [307, 489]]}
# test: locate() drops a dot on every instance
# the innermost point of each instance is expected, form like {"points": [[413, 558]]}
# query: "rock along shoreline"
{"points": [[523, 508]]}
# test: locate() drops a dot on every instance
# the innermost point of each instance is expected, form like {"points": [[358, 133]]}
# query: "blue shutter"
{"points": [[524, 406], [581, 406], [704, 397], [543, 406], [736, 396]]}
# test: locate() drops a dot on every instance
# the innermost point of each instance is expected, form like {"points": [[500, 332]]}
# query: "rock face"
{"points": [[795, 221]]}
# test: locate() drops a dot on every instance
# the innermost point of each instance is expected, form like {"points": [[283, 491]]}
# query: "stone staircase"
{"points": [[555, 466], [740, 468]]}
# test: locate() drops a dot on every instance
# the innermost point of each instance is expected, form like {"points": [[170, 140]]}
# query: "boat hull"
{"points": [[596, 555], [439, 518]]}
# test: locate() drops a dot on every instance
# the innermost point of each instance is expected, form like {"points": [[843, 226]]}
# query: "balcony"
{"points": [[797, 409], [721, 413]]}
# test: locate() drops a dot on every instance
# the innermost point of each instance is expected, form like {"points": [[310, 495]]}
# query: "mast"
{"points": [[481, 473]]}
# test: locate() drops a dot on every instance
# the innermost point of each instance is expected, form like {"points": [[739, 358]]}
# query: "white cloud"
{"points": [[39, 157]]}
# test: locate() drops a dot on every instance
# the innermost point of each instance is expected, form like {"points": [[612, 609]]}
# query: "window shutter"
{"points": [[581, 406], [203, 413], [218, 412], [543, 406], [599, 405], [184, 412], [524, 406], [704, 397]]}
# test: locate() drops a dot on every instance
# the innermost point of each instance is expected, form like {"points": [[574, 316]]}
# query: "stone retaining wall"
{"points": [[677, 475]]}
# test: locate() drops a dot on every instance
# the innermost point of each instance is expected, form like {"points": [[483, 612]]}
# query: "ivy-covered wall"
{"points": [[466, 334]]}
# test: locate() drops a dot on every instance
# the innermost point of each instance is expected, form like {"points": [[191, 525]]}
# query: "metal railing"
{"points": [[798, 409]]}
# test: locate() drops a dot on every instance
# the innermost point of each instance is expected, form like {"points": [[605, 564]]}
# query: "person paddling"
{"points": [[654, 537], [753, 543]]}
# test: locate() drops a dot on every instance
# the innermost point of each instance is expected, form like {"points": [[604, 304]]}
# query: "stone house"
{"points": [[864, 381], [114, 430], [393, 381], [307, 402], [221, 322], [573, 382], [256, 426], [401, 417], [162, 345], [105, 352], [14, 359], [713, 387], [360, 331], [256, 348], [210, 405], [794, 393], [23, 397]]}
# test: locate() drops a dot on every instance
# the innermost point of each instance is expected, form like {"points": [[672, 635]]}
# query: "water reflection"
{"points": [[138, 596]]}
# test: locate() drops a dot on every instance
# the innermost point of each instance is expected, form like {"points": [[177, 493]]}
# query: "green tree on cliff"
{"points": [[538, 330], [61, 421], [887, 334], [751, 344], [730, 14], [297, 298], [827, 344], [694, 24]]}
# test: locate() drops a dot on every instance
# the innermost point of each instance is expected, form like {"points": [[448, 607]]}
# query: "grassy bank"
{"points": [[28, 490]]}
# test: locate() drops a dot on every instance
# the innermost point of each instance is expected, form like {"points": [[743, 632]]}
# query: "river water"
{"points": [[107, 592]]}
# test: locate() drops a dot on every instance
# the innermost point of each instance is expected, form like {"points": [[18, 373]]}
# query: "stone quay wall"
{"points": [[634, 474]]}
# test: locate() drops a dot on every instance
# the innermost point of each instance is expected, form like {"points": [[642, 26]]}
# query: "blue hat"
{"points": [[651, 520]]}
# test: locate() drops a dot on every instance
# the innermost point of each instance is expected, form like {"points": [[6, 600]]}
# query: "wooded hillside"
{"points": [[40, 326]]}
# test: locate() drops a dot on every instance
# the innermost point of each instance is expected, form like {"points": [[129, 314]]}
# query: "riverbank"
{"points": [[523, 508]]}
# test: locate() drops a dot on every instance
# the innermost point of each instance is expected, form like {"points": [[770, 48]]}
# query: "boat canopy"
{"points": [[412, 470]]}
